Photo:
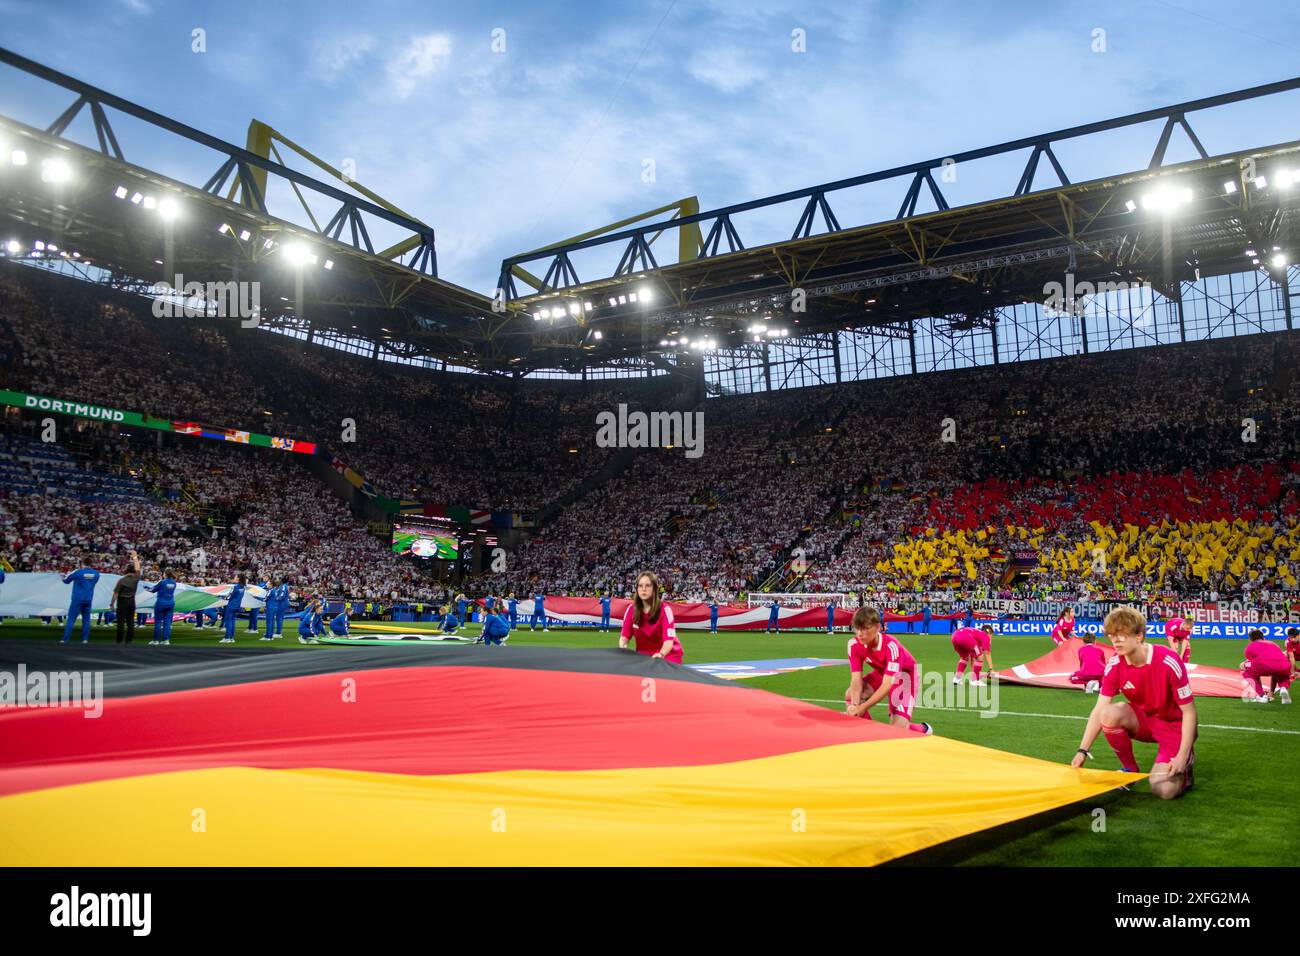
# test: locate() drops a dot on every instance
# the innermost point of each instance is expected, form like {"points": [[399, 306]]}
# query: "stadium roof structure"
{"points": [[604, 297]]}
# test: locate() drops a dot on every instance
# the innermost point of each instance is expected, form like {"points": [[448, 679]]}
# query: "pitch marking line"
{"points": [[1015, 713]]}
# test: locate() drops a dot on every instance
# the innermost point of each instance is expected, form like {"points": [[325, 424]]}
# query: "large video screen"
{"points": [[424, 542]]}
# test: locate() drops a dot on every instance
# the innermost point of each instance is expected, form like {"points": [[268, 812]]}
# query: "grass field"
{"points": [[1248, 755]]}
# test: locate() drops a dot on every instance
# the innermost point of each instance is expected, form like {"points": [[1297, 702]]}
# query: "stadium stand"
{"points": [[841, 488]]}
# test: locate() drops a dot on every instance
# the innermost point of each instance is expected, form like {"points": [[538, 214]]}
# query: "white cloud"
{"points": [[420, 58], [726, 69], [336, 55]]}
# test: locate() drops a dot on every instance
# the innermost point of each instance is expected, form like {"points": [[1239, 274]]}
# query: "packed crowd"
{"points": [[1193, 435], [279, 522], [900, 485], [454, 439]]}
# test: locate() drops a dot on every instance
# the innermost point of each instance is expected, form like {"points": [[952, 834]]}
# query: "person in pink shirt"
{"points": [[1293, 650], [892, 674], [1178, 632], [1064, 628], [1092, 665], [1265, 659], [1159, 708], [974, 646], [649, 621]]}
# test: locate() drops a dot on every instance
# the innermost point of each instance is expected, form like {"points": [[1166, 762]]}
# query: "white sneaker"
{"points": [[956, 678], [978, 683], [1285, 695], [929, 731], [302, 640], [1092, 687], [153, 643], [1261, 700]]}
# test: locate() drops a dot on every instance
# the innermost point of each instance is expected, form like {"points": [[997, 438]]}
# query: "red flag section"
{"points": [[1054, 669]]}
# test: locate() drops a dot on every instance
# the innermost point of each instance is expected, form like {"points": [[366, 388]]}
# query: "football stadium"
{"points": [[941, 509]]}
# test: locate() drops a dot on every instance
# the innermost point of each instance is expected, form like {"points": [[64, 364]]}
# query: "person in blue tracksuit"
{"points": [[339, 626], [830, 618], [281, 592], [495, 629], [318, 617], [605, 601], [163, 608], [305, 621], [539, 612], [450, 622], [773, 618], [489, 602], [713, 615], [970, 615], [514, 611], [926, 614], [462, 604], [252, 614], [83, 582], [233, 601]]}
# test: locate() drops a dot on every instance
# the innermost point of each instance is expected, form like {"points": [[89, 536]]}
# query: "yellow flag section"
{"points": [[1241, 551], [850, 804]]}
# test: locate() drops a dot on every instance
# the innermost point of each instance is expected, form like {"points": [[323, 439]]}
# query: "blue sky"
{"points": [[506, 150]]}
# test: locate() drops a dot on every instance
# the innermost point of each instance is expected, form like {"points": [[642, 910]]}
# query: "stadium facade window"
{"points": [[554, 373], [631, 368], [943, 343], [868, 354], [802, 362], [738, 371], [1235, 304]]}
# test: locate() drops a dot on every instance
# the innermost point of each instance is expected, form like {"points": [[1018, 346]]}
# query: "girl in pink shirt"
{"points": [[1178, 632], [1266, 659], [1064, 628], [650, 622]]}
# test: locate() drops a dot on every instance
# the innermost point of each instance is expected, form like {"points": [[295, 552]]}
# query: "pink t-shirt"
{"points": [[1266, 654], [890, 657], [1178, 628], [971, 639], [651, 635], [1293, 645], [1092, 659], [1159, 688]]}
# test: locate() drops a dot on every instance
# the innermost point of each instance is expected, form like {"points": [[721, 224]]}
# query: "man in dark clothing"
{"points": [[124, 600]]}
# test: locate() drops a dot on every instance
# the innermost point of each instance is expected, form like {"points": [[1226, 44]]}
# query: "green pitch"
{"points": [[1248, 755]]}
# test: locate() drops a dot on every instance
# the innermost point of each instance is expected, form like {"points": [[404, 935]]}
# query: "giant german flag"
{"points": [[474, 756]]}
